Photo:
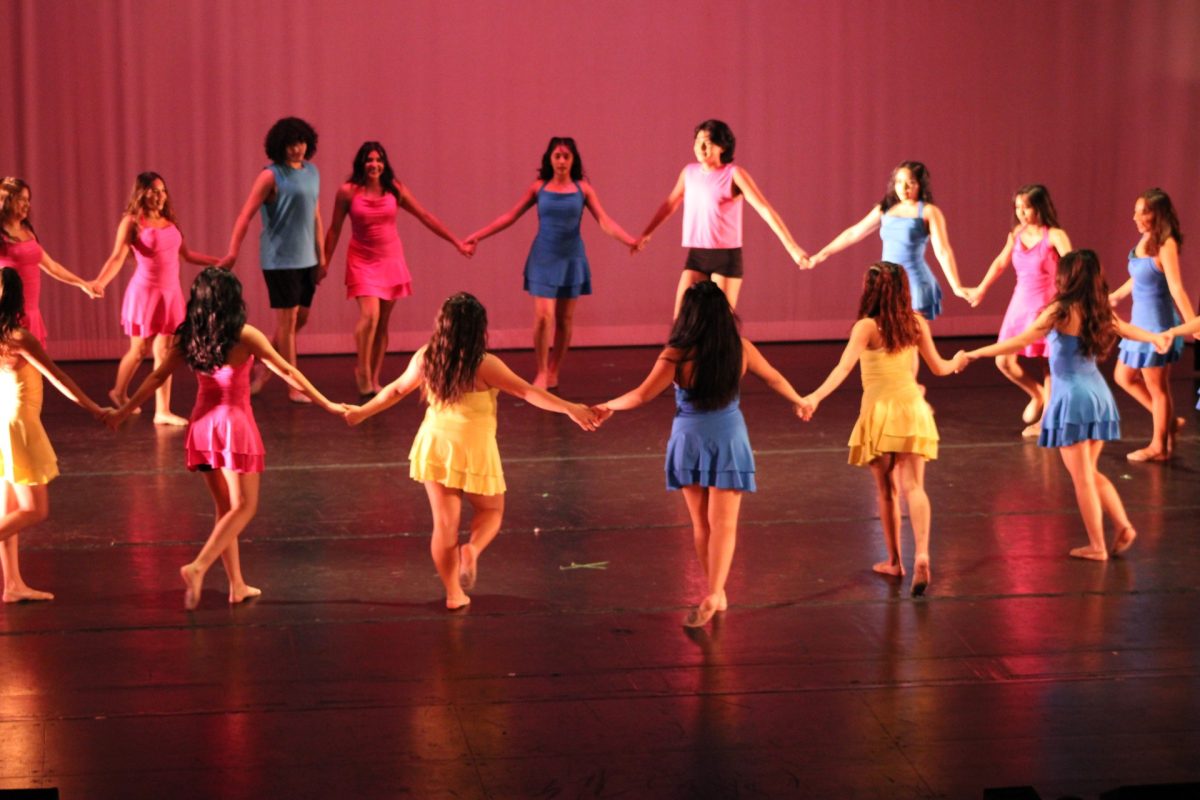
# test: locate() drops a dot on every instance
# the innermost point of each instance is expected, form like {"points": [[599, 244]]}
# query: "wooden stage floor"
{"points": [[570, 675]]}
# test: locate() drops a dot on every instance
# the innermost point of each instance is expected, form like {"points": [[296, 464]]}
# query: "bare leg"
{"points": [[888, 495], [1156, 382], [686, 279], [364, 342], [1010, 367], [696, 498], [139, 347], [299, 317], [162, 395], [732, 287], [219, 488], [487, 512], [543, 325], [446, 506], [1080, 461], [15, 588], [723, 508], [1110, 500], [564, 324], [380, 345], [911, 469], [239, 498]]}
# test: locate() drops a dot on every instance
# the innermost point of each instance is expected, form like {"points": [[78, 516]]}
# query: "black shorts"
{"points": [[724, 261], [288, 288]]}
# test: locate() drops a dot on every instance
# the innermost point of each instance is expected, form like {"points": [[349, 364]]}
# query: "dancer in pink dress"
{"points": [[1034, 246], [223, 443], [20, 249], [153, 305], [376, 274]]}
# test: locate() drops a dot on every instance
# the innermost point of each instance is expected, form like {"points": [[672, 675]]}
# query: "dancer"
{"points": [[223, 443], [1079, 326], [708, 455], [711, 192], [895, 433], [454, 453], [21, 250], [907, 219], [376, 273], [291, 247], [153, 305], [1159, 300], [28, 459], [557, 270], [1034, 246]]}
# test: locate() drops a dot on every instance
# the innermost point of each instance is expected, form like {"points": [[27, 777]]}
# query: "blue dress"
{"points": [[1081, 405], [904, 241], [1153, 310], [557, 265], [709, 448]]}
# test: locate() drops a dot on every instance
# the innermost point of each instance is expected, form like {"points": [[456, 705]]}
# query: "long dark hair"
{"points": [[12, 303], [142, 185], [887, 300], [359, 174], [1038, 197], [546, 171], [1166, 221], [1080, 284], [706, 331], [456, 348], [920, 175], [215, 316]]}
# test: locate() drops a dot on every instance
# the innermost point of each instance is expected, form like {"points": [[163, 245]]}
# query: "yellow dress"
{"points": [[456, 445], [24, 446], [894, 417]]}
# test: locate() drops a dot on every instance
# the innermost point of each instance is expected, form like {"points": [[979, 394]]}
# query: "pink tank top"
{"points": [[712, 216], [156, 251]]}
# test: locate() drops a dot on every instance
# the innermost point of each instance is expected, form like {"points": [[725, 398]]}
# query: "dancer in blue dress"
{"points": [[557, 270], [1159, 298], [708, 455], [907, 221], [1080, 327]]}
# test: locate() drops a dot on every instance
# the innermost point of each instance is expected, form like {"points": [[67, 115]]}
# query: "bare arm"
{"points": [[60, 273], [341, 207], [410, 204], [1121, 292], [508, 217], [261, 348], [1130, 331], [155, 379], [606, 223], [757, 364], [660, 377], [933, 358], [998, 265], [264, 186], [941, 247], [391, 394], [860, 337], [852, 235], [29, 347], [1168, 258], [669, 207], [1036, 330], [319, 244], [1060, 241], [193, 257], [495, 372], [765, 210], [120, 253]]}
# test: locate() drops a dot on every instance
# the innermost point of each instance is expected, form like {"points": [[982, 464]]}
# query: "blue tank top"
{"points": [[559, 217], [289, 239], [904, 238]]}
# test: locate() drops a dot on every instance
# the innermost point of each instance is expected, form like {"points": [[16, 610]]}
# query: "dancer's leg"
{"points": [[139, 348], [446, 506], [380, 345], [1080, 461], [686, 279], [365, 331], [162, 395], [487, 512], [15, 588], [732, 287], [887, 494], [241, 491], [911, 470], [543, 327], [564, 325]]}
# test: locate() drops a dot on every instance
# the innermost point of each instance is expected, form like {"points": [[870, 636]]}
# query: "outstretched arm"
{"points": [[495, 372], [192, 257], [757, 364], [29, 347], [391, 394], [604, 220], [60, 273], [660, 377], [117, 258], [263, 186], [765, 210], [341, 207], [1168, 257], [852, 235], [155, 379], [860, 337], [942, 249], [508, 217], [669, 207], [261, 348], [410, 204], [933, 359], [1036, 330], [999, 264]]}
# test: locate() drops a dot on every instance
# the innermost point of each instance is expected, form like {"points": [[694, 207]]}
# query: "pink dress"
{"points": [[1035, 267], [375, 260], [222, 433], [25, 258], [153, 302]]}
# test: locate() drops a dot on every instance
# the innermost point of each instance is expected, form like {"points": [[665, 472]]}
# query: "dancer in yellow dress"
{"points": [[895, 433], [29, 462], [454, 453]]}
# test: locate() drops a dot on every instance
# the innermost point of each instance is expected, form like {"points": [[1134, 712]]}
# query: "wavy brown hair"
{"points": [[887, 300], [216, 314], [456, 348], [142, 185], [706, 331], [1166, 221], [1081, 285], [9, 189]]}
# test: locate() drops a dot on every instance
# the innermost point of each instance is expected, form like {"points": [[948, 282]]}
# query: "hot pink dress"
{"points": [[25, 257], [375, 260], [1035, 267], [153, 302], [222, 433]]}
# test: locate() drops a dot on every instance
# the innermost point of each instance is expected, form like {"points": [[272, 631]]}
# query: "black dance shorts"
{"points": [[288, 288], [725, 261]]}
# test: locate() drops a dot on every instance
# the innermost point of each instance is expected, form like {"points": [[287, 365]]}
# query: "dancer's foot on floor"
{"points": [[457, 602], [1033, 410], [699, 616], [172, 420], [1089, 553], [889, 569], [192, 583], [243, 593], [1032, 430], [1147, 454], [1124, 540], [25, 594], [921, 578]]}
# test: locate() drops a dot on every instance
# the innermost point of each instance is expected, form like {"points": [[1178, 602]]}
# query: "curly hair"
{"points": [[358, 175], [142, 185], [920, 175], [456, 348], [12, 303], [1166, 221], [546, 171], [1081, 285], [289, 131], [10, 188], [886, 299], [216, 314], [719, 134], [1038, 198], [707, 332]]}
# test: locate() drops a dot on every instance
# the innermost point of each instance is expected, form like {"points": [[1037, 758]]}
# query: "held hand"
{"points": [[352, 414], [583, 416], [639, 245], [973, 295], [816, 259], [112, 418], [89, 288], [961, 360], [227, 262], [807, 407], [1162, 342], [1113, 300], [961, 292], [322, 271], [602, 413], [467, 248]]}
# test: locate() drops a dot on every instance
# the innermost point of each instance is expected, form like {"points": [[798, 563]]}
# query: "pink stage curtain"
{"points": [[1095, 99]]}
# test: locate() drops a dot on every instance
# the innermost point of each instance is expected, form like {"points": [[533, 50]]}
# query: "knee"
{"points": [[1002, 364], [543, 318]]}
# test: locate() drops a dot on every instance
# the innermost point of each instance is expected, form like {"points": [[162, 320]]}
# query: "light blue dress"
{"points": [[557, 265], [904, 242], [709, 448], [1153, 310], [1081, 405]]}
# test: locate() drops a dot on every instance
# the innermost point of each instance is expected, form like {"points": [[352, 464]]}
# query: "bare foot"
{"points": [[1033, 410], [541, 380], [258, 378], [1089, 553], [468, 565], [363, 383], [699, 616], [120, 400], [24, 594], [921, 577], [192, 582], [245, 592], [170, 419], [1124, 540], [888, 568], [723, 603], [1147, 454], [299, 397], [1032, 431], [454, 603], [376, 388]]}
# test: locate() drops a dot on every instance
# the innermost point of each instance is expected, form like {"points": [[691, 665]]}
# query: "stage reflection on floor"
{"points": [[570, 675]]}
